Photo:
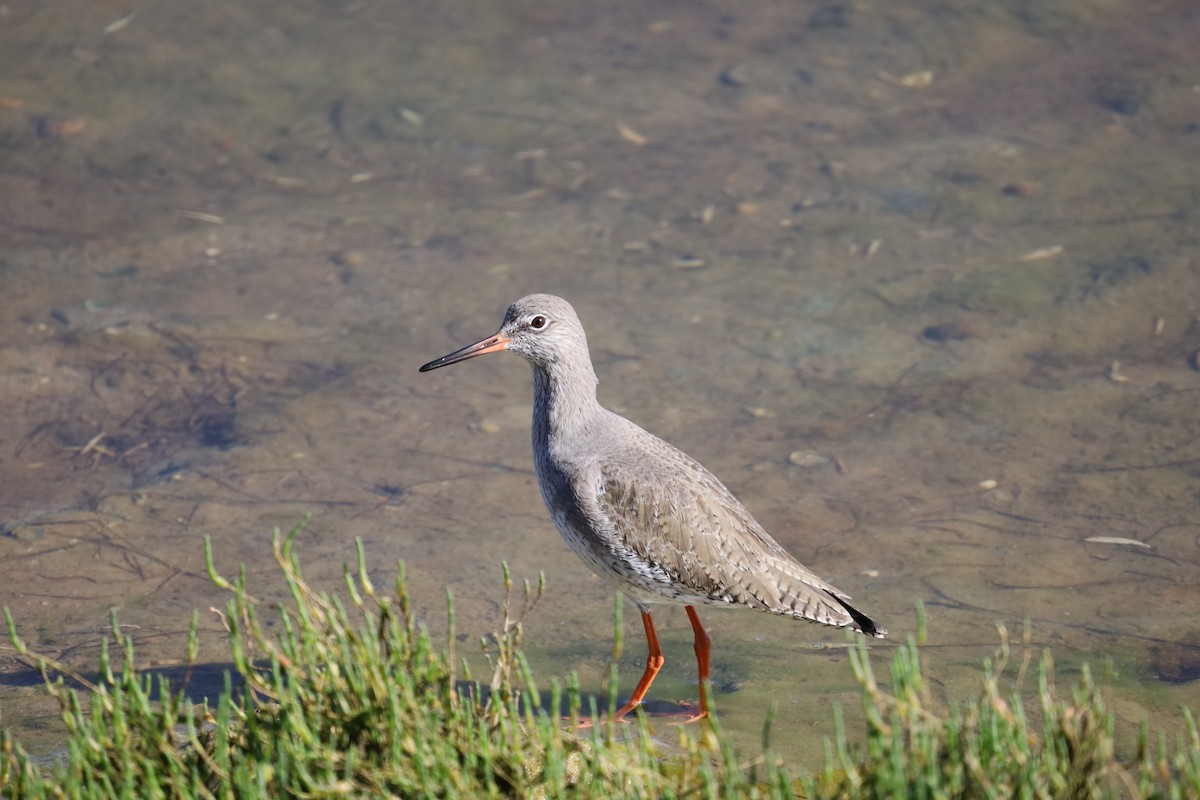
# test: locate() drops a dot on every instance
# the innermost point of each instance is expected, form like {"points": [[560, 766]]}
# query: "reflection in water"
{"points": [[948, 260]]}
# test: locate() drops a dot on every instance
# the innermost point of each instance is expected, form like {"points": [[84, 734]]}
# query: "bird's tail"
{"points": [[862, 623]]}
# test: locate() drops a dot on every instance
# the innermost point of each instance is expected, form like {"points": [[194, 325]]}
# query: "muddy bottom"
{"points": [[919, 285]]}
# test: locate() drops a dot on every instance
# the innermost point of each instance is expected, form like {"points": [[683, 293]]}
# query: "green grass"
{"points": [[351, 698]]}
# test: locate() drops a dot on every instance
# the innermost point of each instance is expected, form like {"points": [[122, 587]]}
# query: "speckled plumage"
{"points": [[638, 511]]}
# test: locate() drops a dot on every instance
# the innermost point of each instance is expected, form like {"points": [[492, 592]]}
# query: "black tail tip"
{"points": [[862, 623]]}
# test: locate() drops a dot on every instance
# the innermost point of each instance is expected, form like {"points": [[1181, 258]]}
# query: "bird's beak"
{"points": [[492, 344]]}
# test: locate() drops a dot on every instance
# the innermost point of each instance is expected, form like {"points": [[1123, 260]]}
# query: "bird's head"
{"points": [[541, 328]]}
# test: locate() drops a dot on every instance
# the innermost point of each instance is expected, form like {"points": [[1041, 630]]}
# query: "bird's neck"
{"points": [[564, 403]]}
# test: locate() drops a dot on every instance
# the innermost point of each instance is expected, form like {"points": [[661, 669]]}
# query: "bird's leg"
{"points": [[654, 662], [703, 647]]}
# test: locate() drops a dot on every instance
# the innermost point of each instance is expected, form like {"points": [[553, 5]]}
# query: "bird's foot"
{"points": [[626, 715], [690, 713], [682, 713], [586, 723], [580, 724]]}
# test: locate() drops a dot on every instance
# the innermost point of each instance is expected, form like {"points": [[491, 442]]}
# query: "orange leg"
{"points": [[703, 647], [654, 662]]}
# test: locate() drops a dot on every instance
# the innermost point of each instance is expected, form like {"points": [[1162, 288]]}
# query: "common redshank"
{"points": [[639, 512]]}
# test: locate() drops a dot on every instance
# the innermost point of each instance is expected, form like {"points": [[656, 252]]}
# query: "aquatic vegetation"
{"points": [[353, 698]]}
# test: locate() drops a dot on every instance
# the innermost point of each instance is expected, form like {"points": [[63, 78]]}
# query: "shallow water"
{"points": [[919, 283]]}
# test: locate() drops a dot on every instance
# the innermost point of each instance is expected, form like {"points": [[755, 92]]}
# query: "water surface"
{"points": [[918, 281]]}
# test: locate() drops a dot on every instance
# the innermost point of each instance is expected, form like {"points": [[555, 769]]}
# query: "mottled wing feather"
{"points": [[684, 527]]}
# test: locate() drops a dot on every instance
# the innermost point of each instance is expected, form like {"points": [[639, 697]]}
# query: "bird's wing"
{"points": [[682, 522]]}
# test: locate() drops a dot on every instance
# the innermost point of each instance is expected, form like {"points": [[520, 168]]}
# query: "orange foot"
{"points": [[684, 713], [690, 713]]}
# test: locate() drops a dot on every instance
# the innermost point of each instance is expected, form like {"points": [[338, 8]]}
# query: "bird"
{"points": [[641, 513]]}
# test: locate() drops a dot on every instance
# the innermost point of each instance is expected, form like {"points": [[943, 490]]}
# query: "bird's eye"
{"points": [[538, 322]]}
